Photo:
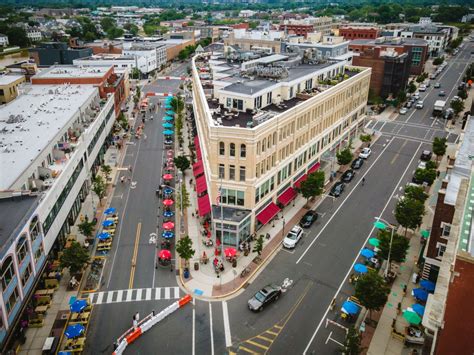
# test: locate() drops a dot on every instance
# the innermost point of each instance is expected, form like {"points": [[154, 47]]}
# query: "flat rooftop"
{"points": [[29, 123], [72, 71], [8, 79]]}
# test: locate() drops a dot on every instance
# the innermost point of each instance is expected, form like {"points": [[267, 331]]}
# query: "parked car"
{"points": [[416, 95], [442, 93], [337, 189], [409, 104], [419, 104], [422, 165], [308, 219], [293, 237], [427, 83], [422, 88], [365, 153], [348, 175], [437, 85], [403, 111], [357, 163], [263, 297], [426, 155]]}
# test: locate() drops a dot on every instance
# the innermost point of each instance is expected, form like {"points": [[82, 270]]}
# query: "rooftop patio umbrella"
{"points": [[428, 285], [168, 202], [168, 214], [165, 254], [367, 253], [169, 167], [168, 132], [103, 236], [168, 225], [412, 317], [167, 235], [425, 234], [107, 223], [418, 308], [360, 268], [230, 252], [167, 125], [350, 307], [420, 294], [168, 106], [110, 210], [374, 242], [168, 191], [75, 330], [168, 118], [170, 153], [78, 306], [170, 112], [168, 177]]}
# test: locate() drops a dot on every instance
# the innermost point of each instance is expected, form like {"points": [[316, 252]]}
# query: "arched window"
{"points": [[35, 228], [264, 144], [243, 150], [221, 148], [232, 149], [21, 249], [7, 272]]}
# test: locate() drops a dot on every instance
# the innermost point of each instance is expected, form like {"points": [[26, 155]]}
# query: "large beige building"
{"points": [[264, 125]]}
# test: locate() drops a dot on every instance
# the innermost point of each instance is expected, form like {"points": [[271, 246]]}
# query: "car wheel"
{"points": [[260, 309]]}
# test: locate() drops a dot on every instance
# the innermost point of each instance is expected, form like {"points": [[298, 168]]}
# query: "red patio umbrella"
{"points": [[168, 177], [168, 225], [230, 252], [165, 254], [169, 153], [168, 202]]}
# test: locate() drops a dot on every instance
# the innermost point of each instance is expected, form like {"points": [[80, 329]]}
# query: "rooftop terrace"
{"points": [[72, 71]]}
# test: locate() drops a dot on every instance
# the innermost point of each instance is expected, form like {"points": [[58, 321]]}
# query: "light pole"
{"points": [[382, 224], [283, 230]]}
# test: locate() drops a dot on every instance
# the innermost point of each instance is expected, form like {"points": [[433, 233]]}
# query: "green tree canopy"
{"points": [[457, 106], [74, 258], [400, 245], [182, 163], [409, 213], [313, 185], [416, 192], [425, 175], [184, 248], [372, 291], [352, 343], [344, 156], [439, 147], [258, 246]]}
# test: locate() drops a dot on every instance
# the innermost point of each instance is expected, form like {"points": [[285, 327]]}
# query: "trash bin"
{"points": [[234, 263], [186, 273], [196, 266]]}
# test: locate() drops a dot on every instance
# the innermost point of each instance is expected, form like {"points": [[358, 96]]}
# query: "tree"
{"points": [[439, 147], [74, 258], [462, 94], [131, 28], [184, 248], [344, 156], [313, 185], [416, 192], [409, 213], [17, 36], [114, 32], [372, 291], [400, 245], [107, 23], [86, 228], [99, 187], [106, 170], [182, 163], [401, 97], [258, 247], [177, 103], [352, 343], [366, 138], [135, 75], [183, 198], [411, 87], [457, 106], [438, 60]]}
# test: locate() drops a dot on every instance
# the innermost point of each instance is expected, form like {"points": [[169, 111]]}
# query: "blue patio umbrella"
{"points": [[110, 210], [170, 112], [103, 236], [78, 306], [350, 307], [428, 285], [420, 294], [167, 125], [168, 191], [167, 234], [75, 330], [168, 214], [360, 268], [167, 118], [367, 253], [168, 132], [418, 308], [107, 223]]}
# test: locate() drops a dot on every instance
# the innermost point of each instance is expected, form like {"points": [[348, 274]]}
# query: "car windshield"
{"points": [[259, 296], [291, 236]]}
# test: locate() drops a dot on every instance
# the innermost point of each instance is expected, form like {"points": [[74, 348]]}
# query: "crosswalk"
{"points": [[134, 295]]}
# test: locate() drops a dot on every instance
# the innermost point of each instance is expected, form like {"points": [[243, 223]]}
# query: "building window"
{"points": [[242, 173], [7, 272], [233, 197], [221, 148], [39, 253], [440, 248], [445, 229], [21, 249], [232, 149], [221, 171], [269, 98], [26, 275], [35, 228], [231, 172], [12, 301], [238, 104], [243, 151], [229, 102], [258, 102]]}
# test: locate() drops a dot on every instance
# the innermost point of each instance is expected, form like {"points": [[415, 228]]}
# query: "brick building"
{"points": [[350, 33], [297, 29]]}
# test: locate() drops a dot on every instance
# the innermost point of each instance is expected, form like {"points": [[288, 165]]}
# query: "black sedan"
{"points": [[308, 219], [337, 189], [348, 175], [357, 163], [263, 297]]}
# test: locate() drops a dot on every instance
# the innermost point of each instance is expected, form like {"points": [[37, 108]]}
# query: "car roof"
{"points": [[269, 288], [426, 152]]}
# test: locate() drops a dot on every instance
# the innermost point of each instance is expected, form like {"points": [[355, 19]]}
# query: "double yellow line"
{"points": [[134, 256]]}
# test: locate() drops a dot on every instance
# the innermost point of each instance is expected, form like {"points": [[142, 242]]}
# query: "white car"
{"points": [[293, 237], [403, 111], [416, 95], [365, 153], [419, 104], [422, 88], [422, 165]]}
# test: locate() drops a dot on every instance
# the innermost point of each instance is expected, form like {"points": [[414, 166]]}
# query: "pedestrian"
{"points": [[135, 324], [130, 168], [144, 136], [137, 316], [122, 179]]}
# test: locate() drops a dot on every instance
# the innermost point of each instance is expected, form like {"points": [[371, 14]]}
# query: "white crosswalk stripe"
{"points": [[134, 295]]}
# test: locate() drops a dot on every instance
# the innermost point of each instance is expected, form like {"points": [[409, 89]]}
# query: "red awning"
{"points": [[197, 147], [314, 168], [300, 180], [287, 196], [201, 184], [198, 168], [268, 213], [204, 205]]}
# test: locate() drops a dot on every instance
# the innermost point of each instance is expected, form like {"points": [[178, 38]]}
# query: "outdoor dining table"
{"points": [[44, 292], [41, 309]]}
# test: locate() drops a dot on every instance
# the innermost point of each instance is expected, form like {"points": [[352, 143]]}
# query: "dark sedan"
{"points": [[308, 219], [337, 189], [357, 163], [263, 297], [348, 175]]}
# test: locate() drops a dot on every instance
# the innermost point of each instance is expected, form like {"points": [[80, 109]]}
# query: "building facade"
{"points": [[3, 40], [350, 33], [34, 34], [51, 53], [9, 87]]}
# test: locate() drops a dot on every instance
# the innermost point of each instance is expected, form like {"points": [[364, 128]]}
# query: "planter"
{"points": [[196, 266]]}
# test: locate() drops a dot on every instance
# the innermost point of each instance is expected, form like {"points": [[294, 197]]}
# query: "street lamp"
{"points": [[382, 224], [283, 230]]}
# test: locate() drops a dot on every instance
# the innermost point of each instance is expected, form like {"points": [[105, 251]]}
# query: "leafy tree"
{"points": [[366, 138], [183, 198], [86, 228], [438, 60], [182, 163], [462, 94], [352, 343], [106, 170], [99, 187], [313, 185], [457, 106], [411, 87], [131, 28], [114, 32], [409, 213], [425, 175], [416, 193], [439, 147], [184, 248], [372, 291], [258, 247], [400, 245], [135, 74], [431, 165], [177, 103], [16, 36], [74, 258], [107, 23], [401, 97], [344, 156]]}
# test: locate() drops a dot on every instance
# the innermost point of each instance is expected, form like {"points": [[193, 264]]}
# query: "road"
{"points": [[319, 265]]}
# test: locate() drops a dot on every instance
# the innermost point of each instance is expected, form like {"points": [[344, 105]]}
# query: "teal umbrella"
{"points": [[170, 112], [425, 234], [412, 317], [168, 132], [167, 125], [374, 241], [168, 106], [167, 118]]}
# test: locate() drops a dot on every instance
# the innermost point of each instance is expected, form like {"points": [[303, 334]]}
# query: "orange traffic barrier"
{"points": [[134, 335], [184, 300]]}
